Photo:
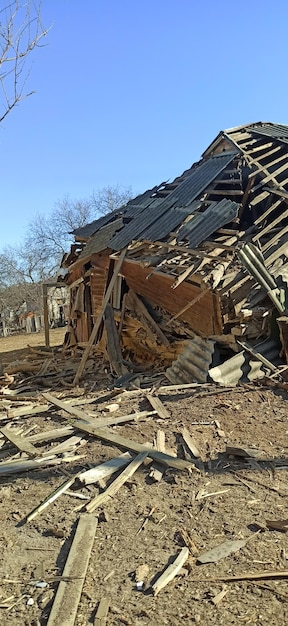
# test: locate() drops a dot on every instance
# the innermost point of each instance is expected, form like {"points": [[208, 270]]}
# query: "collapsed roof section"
{"points": [[206, 254]]}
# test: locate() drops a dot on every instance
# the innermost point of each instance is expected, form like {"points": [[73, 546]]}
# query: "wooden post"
{"points": [[98, 321], [46, 320]]}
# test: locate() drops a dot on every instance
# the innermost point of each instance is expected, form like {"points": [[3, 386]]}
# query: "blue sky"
{"points": [[131, 92]]}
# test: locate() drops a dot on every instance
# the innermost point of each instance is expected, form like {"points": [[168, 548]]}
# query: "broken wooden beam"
{"points": [[20, 442], [65, 605], [158, 406], [117, 483]]}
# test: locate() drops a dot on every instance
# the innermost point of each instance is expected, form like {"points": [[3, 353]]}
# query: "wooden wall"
{"points": [[204, 317]]}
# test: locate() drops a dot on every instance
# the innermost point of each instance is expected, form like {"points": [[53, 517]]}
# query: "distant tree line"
{"points": [[38, 256]]}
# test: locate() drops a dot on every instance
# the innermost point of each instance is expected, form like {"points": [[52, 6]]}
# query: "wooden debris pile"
{"points": [[96, 417]]}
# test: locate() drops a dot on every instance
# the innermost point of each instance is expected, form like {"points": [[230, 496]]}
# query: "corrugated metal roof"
{"points": [[187, 191], [132, 210], [201, 176], [167, 222], [193, 364], [276, 131], [202, 225], [89, 229], [101, 239], [141, 222]]}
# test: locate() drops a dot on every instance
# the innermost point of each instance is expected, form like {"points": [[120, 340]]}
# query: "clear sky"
{"points": [[131, 92]]}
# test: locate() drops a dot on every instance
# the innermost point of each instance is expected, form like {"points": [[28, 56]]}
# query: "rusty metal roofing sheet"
{"points": [[204, 224], [101, 239], [187, 191], [194, 362]]}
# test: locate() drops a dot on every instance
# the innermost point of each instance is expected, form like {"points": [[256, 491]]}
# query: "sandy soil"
{"points": [[229, 498]]}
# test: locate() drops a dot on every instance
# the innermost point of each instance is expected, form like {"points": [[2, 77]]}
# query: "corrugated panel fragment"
{"points": [[253, 260], [244, 367], [100, 240], [168, 222], [202, 225], [276, 131], [193, 364], [88, 230]]}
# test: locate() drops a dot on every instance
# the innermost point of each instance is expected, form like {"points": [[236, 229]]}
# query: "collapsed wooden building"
{"points": [[204, 268]]}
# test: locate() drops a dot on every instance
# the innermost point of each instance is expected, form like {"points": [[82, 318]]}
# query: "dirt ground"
{"points": [[229, 497]]}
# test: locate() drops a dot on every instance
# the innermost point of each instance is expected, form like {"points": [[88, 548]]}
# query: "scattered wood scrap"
{"points": [[117, 483], [102, 612], [171, 571], [64, 609]]}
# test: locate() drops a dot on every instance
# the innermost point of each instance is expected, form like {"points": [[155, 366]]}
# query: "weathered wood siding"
{"points": [[204, 316]]}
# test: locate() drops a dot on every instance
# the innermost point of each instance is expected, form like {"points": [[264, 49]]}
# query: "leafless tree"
{"points": [[21, 31], [38, 257], [109, 198]]}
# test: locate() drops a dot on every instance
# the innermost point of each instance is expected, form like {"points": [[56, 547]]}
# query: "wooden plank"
{"points": [[19, 442], [51, 498], [189, 442], [30, 409], [98, 321], [263, 156], [113, 344], [158, 406], [97, 422], [128, 444], [171, 571], [45, 312], [65, 605], [156, 472], [270, 226], [266, 213], [15, 467], [140, 306], [117, 483], [102, 612], [188, 306], [104, 470]]}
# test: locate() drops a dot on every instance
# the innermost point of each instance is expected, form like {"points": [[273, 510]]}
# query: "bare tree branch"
{"points": [[21, 31]]}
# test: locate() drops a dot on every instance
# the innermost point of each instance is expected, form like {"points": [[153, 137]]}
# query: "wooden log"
{"points": [[65, 605], [98, 321]]}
